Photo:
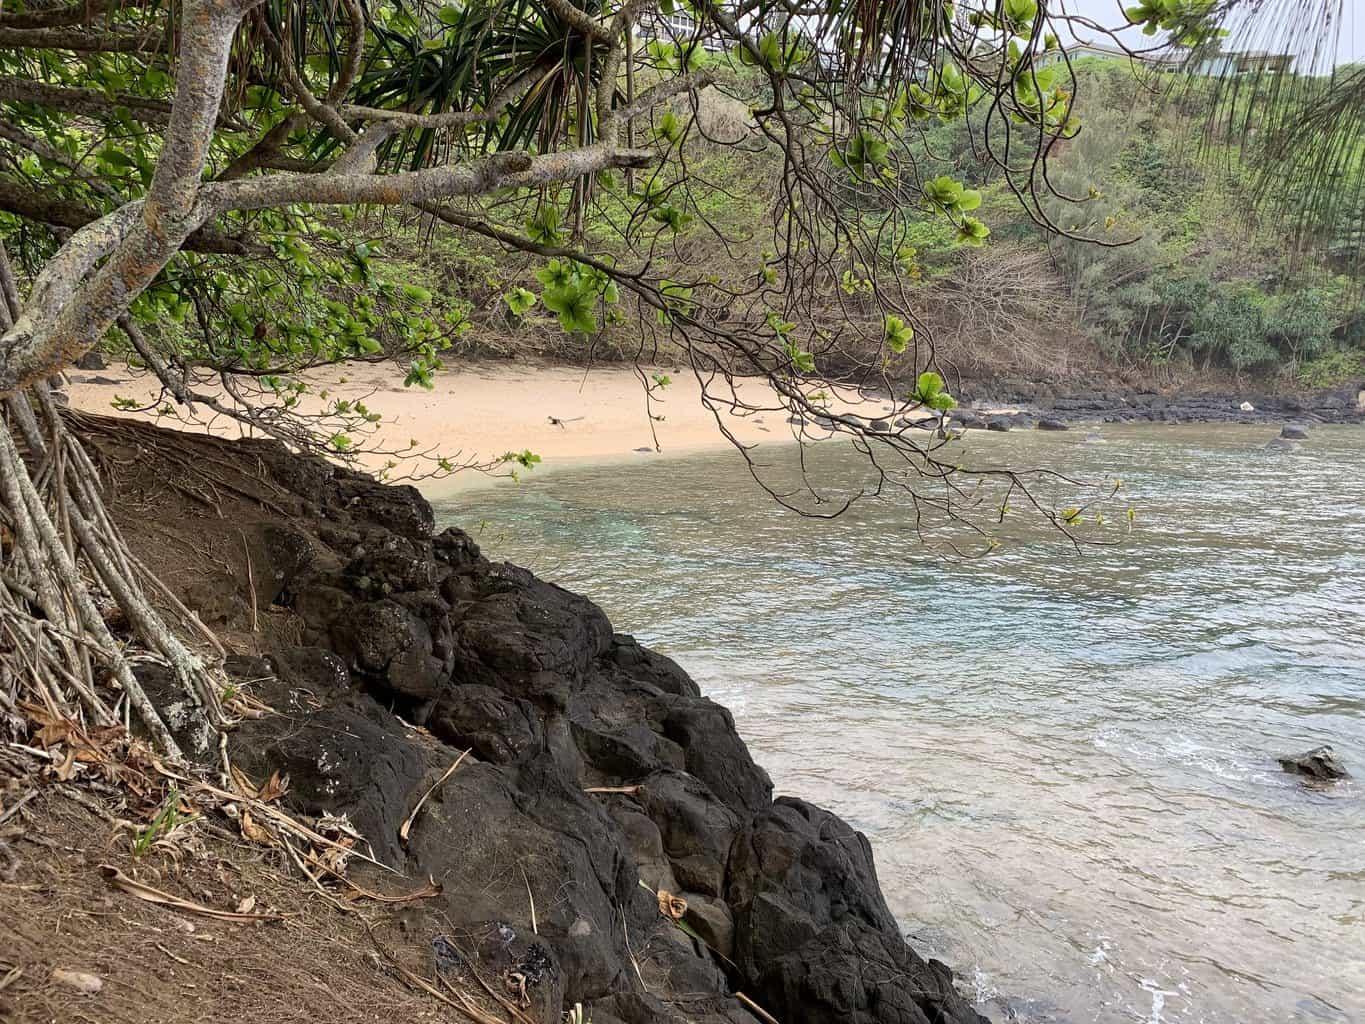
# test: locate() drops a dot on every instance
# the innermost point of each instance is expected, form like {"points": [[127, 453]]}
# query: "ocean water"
{"points": [[1064, 759]]}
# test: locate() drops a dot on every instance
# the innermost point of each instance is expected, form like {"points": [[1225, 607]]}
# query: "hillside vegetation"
{"points": [[1175, 273]]}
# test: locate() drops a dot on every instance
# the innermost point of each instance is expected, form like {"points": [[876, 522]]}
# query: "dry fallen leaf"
{"points": [[254, 832], [66, 771], [274, 789], [670, 905], [243, 784], [247, 905]]}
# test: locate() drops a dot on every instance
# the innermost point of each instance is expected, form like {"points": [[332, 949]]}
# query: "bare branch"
{"points": [[46, 208], [64, 16], [448, 119], [92, 102], [581, 20], [113, 41]]}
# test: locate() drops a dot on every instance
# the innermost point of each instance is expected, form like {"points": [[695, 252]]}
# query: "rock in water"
{"points": [[1279, 444], [1052, 424], [1318, 763], [998, 423], [1294, 432]]}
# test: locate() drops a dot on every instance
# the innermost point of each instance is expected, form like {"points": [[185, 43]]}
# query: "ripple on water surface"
{"points": [[1064, 762]]}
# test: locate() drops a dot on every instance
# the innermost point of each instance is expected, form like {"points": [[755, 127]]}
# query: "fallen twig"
{"points": [[407, 825], [535, 929], [755, 1009], [177, 959], [13, 808], [284, 821], [427, 892], [503, 1001], [143, 891]]}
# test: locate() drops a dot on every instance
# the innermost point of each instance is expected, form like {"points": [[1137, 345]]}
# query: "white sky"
{"points": [[1278, 26]]}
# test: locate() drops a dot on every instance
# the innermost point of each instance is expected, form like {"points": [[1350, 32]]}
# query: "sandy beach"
{"points": [[479, 410]]}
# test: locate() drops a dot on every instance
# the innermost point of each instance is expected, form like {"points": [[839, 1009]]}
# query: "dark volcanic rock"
{"points": [[594, 766], [810, 917], [498, 729], [344, 757], [312, 668], [717, 756], [92, 360], [1318, 763], [998, 423], [1294, 432], [1049, 423]]}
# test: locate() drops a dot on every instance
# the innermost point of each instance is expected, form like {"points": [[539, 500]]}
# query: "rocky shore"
{"points": [[607, 840], [1029, 404]]}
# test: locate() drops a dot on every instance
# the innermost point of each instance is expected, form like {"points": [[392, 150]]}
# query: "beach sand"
{"points": [[479, 410]]}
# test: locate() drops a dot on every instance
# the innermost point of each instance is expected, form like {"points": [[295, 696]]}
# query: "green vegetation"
{"points": [[1207, 278]]}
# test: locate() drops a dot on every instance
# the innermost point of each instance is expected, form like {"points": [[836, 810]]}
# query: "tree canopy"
{"points": [[181, 177]]}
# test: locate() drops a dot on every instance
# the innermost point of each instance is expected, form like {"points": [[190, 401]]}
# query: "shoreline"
{"points": [[573, 417]]}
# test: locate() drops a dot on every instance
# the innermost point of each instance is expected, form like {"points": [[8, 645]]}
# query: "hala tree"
{"points": [[167, 172]]}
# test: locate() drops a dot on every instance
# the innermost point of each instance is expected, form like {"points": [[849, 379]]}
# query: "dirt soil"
{"points": [[153, 963]]}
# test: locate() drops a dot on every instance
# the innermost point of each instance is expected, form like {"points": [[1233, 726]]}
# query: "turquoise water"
{"points": [[1064, 760]]}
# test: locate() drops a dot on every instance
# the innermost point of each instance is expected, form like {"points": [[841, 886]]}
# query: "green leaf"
{"points": [[116, 158], [543, 226], [574, 304], [899, 334], [969, 200], [520, 300], [557, 273], [670, 127], [972, 232], [943, 190], [929, 392]]}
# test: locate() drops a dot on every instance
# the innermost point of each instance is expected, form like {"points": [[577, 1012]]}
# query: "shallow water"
{"points": [[1064, 761]]}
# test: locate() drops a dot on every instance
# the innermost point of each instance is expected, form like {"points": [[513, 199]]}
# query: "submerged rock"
{"points": [[1318, 763], [1050, 423]]}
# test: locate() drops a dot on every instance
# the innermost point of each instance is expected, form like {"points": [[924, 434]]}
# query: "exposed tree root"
{"points": [[67, 575]]}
